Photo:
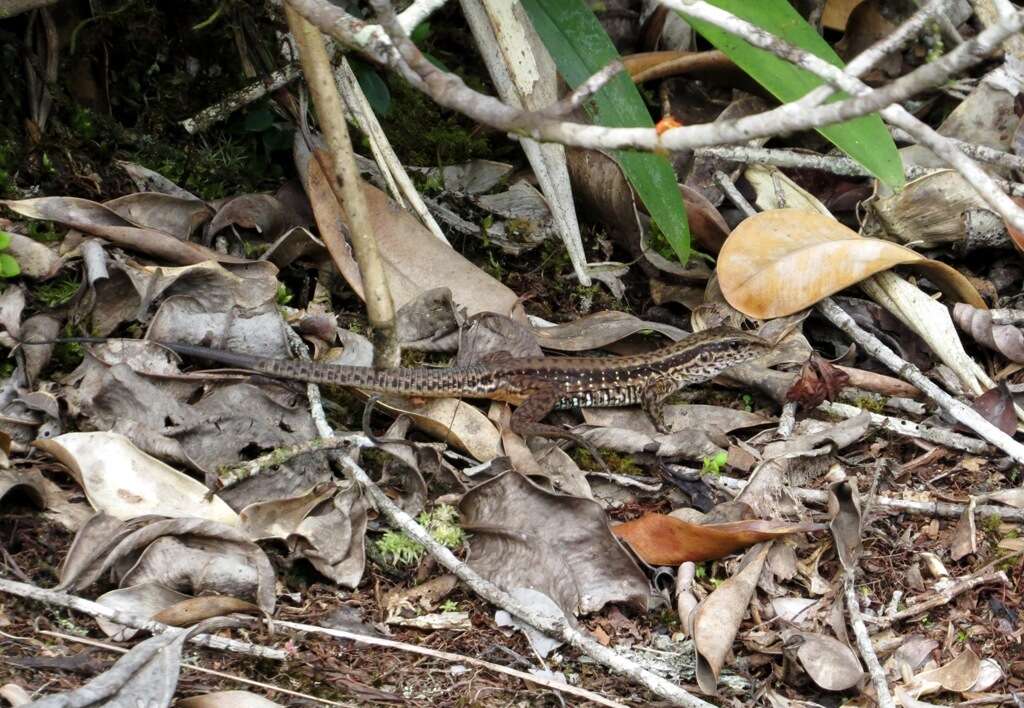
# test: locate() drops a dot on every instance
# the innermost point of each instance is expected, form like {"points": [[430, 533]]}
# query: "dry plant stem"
{"points": [[945, 510], [982, 153], [449, 656], [239, 99], [942, 597], [895, 114], [230, 476], [960, 412], [883, 696], [910, 429], [833, 164], [200, 669], [330, 111], [94, 609]]}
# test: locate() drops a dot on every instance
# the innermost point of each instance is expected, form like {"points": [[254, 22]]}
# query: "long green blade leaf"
{"points": [[580, 48], [864, 139]]}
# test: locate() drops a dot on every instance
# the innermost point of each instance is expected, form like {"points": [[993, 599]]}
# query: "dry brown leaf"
{"points": [[227, 699], [126, 483], [845, 524], [830, 663], [717, 619], [778, 262], [598, 330], [414, 259], [819, 381], [1008, 340], [666, 540], [96, 219], [193, 610], [996, 406]]}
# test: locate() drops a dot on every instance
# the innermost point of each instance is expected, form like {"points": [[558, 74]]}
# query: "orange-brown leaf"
{"points": [[780, 261], [665, 540]]}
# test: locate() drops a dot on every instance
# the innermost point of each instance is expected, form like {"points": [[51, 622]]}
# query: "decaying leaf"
{"points": [[778, 262], [831, 664], [718, 618], [122, 481], [819, 381], [146, 675], [1008, 340], [598, 330], [664, 540], [845, 523], [227, 699], [523, 536], [98, 220], [716, 420], [997, 407], [27, 482]]}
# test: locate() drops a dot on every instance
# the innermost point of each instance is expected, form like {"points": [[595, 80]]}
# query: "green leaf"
{"points": [[580, 48], [5, 240], [865, 139], [8, 266], [377, 92]]}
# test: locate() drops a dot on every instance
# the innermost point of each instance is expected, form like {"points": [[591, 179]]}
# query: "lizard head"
{"points": [[720, 348]]}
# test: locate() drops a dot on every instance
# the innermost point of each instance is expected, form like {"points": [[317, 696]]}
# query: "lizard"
{"points": [[536, 385]]}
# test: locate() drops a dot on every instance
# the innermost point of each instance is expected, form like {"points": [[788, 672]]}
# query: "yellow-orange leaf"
{"points": [[666, 540], [781, 261]]}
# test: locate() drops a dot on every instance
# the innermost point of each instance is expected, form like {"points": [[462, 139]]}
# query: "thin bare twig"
{"points": [[940, 598], [128, 619], [883, 696], [449, 656]]}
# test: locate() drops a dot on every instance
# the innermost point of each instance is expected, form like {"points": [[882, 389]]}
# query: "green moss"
{"points": [[439, 136], [619, 463], [870, 402], [57, 292], [442, 525]]}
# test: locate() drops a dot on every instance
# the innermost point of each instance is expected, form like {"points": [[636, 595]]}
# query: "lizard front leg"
{"points": [[526, 420], [653, 399]]}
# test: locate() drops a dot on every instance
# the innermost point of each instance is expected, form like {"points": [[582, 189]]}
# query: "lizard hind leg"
{"points": [[526, 420]]}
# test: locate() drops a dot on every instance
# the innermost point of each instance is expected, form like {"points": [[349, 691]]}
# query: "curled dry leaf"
{"points": [[845, 524], [819, 381], [97, 220], [717, 619], [119, 479], [830, 663], [666, 540], [146, 675], [598, 330], [28, 482], [1008, 340], [778, 262], [957, 675], [227, 699]]}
